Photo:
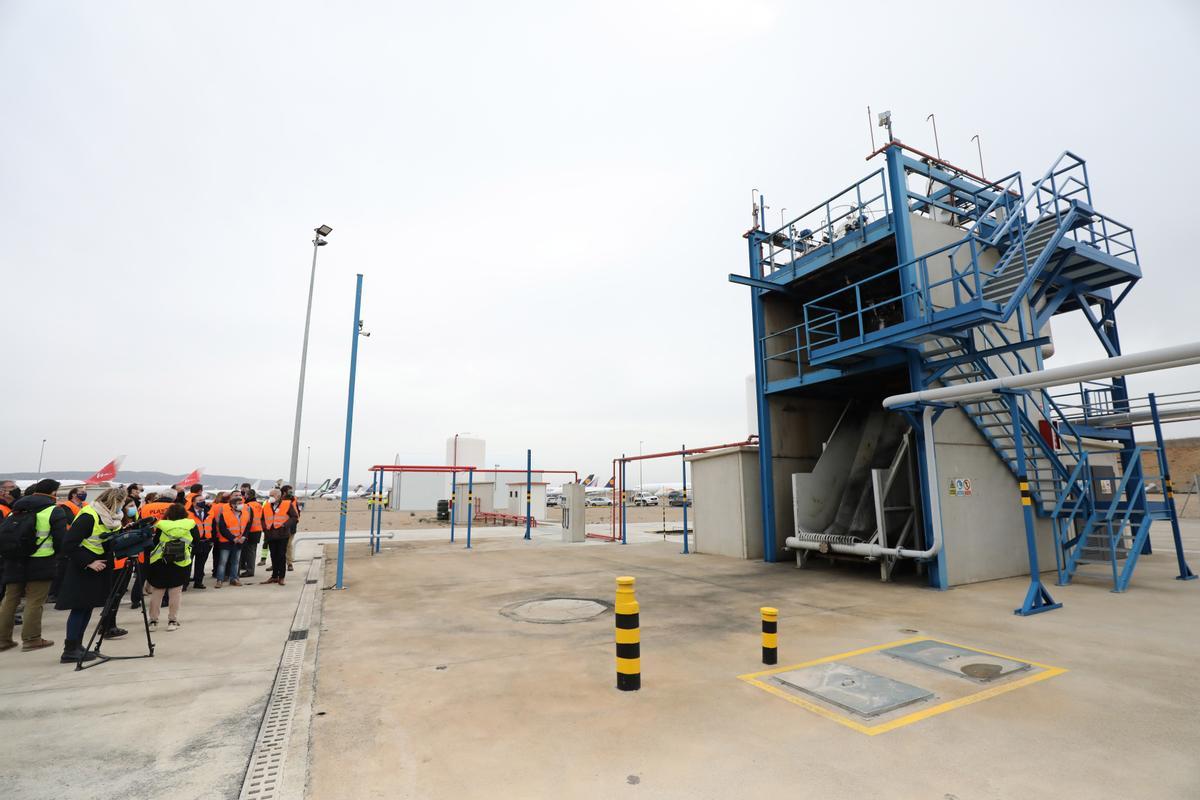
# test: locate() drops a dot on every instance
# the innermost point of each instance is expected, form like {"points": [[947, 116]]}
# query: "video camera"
{"points": [[133, 539]]}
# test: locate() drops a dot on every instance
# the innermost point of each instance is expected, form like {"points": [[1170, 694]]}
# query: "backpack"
{"points": [[174, 550], [18, 534]]}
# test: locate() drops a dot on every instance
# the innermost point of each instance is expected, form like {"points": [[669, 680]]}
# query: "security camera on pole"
{"points": [[318, 242]]}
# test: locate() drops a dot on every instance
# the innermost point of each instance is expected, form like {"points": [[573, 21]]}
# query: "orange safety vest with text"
{"points": [[157, 510]]}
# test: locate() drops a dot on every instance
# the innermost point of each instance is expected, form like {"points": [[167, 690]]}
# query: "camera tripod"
{"points": [[119, 585]]}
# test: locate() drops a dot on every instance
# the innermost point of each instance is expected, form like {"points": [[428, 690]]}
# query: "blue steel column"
{"points": [[379, 518], [1038, 598], [371, 515], [470, 503], [1185, 572], [905, 253], [766, 469], [683, 466], [341, 559], [528, 490]]}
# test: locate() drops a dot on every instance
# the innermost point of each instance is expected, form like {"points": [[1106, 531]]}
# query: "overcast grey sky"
{"points": [[518, 182]]}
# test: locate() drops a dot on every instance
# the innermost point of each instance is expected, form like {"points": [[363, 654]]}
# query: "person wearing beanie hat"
{"points": [[30, 576]]}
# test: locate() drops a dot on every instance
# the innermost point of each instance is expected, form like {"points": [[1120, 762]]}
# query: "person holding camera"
{"points": [[88, 579], [170, 564]]}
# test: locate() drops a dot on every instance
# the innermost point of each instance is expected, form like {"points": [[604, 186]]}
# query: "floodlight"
{"points": [[324, 230]]}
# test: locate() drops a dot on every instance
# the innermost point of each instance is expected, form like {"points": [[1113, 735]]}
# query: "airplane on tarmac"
{"points": [[183, 483], [101, 477], [326, 489]]}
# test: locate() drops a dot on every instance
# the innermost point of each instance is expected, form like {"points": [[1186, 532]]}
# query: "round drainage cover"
{"points": [[556, 610], [982, 672]]}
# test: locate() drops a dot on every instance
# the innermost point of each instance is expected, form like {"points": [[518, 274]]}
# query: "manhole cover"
{"points": [[556, 610], [961, 661], [853, 689]]}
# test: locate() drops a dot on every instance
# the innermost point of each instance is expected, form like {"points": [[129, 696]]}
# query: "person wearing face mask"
{"points": [[200, 513], [289, 496], [230, 524], [129, 515], [279, 517], [254, 532], [89, 568]]}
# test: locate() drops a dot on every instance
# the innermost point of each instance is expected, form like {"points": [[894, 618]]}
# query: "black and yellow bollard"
{"points": [[770, 635], [629, 638]]}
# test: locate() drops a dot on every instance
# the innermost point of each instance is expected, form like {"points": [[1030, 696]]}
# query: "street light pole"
{"points": [[42, 453], [307, 463], [358, 331], [318, 241]]}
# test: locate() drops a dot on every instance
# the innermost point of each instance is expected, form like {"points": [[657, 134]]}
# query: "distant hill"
{"points": [[144, 476]]}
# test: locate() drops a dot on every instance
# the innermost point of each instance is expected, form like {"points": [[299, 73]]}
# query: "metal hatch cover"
{"points": [[853, 689], [961, 661]]}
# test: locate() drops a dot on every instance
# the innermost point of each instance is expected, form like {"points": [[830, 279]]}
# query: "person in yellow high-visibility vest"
{"points": [[30, 576], [88, 578], [170, 566]]}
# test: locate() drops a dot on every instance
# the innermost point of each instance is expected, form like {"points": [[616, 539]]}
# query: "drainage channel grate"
{"points": [[264, 776]]}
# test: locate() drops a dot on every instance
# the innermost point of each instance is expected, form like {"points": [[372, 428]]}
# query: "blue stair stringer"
{"points": [[1061, 484]]}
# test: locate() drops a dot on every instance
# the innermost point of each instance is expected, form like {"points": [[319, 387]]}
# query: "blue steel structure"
{"points": [[840, 296], [341, 557]]}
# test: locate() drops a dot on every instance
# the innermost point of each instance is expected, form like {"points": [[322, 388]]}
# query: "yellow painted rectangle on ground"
{"points": [[755, 679]]}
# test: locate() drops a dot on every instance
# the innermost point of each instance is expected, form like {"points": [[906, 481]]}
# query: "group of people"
{"points": [[68, 560]]}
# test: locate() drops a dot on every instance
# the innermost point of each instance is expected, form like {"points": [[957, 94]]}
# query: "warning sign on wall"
{"points": [[960, 487]]}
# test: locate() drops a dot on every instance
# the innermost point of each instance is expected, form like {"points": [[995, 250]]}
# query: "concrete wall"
{"points": [[984, 533], [417, 491], [799, 427], [727, 503], [515, 496]]}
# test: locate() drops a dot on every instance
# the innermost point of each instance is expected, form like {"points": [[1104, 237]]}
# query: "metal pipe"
{"points": [[470, 504], [935, 506], [1147, 361], [528, 490], [683, 468], [341, 558], [694, 450]]}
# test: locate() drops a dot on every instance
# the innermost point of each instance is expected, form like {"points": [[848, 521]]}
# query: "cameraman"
{"points": [[88, 578]]}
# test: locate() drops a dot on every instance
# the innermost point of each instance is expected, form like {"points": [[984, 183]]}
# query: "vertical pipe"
{"points": [[623, 525], [1185, 572], [683, 465], [528, 490], [470, 503], [379, 519], [371, 512], [341, 561], [453, 492]]}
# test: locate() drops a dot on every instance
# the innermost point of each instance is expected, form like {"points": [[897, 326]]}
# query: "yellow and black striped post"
{"points": [[770, 635], [629, 638]]}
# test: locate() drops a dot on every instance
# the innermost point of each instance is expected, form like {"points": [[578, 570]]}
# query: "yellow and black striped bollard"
{"points": [[629, 638], [770, 635]]}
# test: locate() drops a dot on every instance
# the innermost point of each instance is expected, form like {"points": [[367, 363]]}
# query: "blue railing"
{"points": [[850, 314], [830, 225]]}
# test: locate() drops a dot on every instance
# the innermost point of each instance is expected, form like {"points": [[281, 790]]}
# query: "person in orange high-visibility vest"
{"points": [[289, 496], [230, 526], [254, 532], [200, 513], [279, 520]]}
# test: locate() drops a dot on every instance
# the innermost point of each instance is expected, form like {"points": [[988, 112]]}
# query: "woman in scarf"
{"points": [[88, 579]]}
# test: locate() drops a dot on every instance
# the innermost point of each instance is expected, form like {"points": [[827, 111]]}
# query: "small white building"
{"points": [[537, 499]]}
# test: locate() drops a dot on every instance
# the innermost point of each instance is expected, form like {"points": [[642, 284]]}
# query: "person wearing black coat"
{"points": [[32, 575], [88, 580]]}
